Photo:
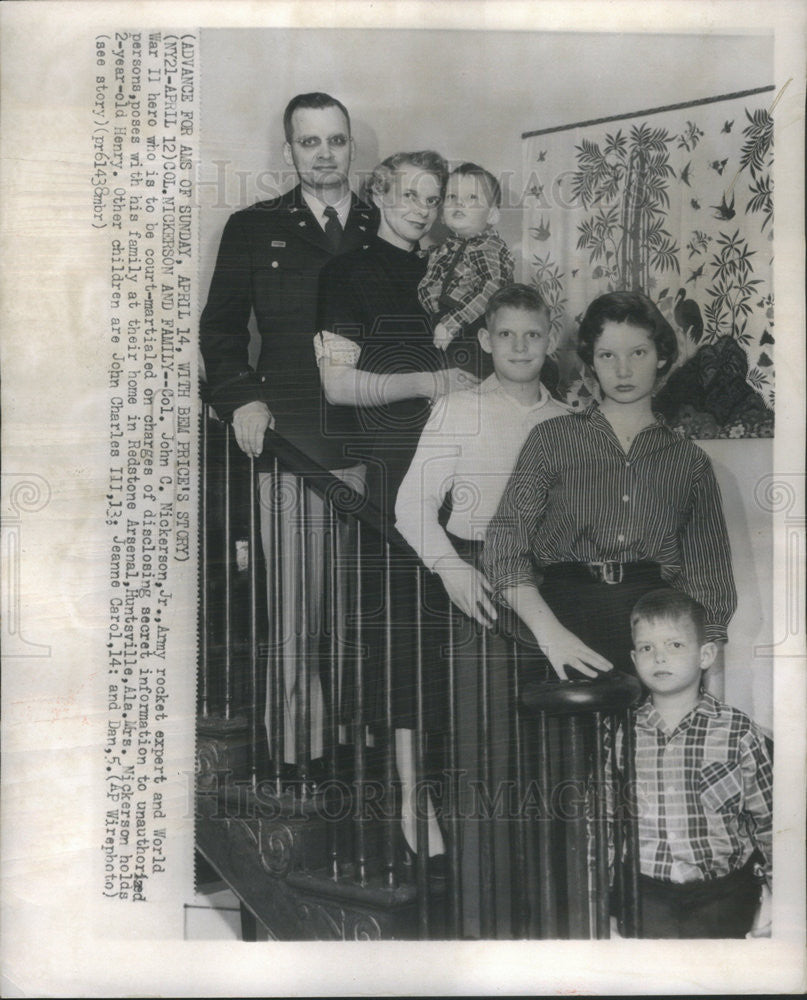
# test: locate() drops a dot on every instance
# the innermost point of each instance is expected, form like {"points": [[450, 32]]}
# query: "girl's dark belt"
{"points": [[608, 571]]}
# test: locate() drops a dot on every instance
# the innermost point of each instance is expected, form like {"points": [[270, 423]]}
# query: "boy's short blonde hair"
{"points": [[516, 296]]}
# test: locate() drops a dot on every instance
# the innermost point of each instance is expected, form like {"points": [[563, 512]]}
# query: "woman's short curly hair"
{"points": [[380, 180], [627, 307]]}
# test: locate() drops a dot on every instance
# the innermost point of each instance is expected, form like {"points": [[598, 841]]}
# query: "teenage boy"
{"points": [[466, 269], [704, 783], [470, 445], [468, 449]]}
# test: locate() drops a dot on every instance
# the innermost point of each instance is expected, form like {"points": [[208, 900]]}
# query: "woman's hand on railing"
{"points": [[467, 588], [564, 650], [250, 423]]}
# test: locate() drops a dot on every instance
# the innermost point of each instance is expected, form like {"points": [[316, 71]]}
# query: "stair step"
{"points": [[373, 893]]}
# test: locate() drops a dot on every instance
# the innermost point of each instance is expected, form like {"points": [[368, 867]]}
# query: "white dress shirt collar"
{"points": [[492, 384], [318, 208]]}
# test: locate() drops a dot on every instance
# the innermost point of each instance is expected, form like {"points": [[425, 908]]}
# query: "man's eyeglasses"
{"points": [[338, 141]]}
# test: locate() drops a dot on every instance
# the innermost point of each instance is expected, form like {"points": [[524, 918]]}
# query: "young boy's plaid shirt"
{"points": [[703, 792], [462, 276]]}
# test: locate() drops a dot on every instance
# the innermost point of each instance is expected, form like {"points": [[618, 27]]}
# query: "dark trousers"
{"points": [[722, 908]]}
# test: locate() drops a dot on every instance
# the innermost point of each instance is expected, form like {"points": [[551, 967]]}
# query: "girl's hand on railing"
{"points": [[564, 650], [467, 588], [250, 422]]}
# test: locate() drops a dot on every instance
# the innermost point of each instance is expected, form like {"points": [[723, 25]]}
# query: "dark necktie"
{"points": [[333, 229]]}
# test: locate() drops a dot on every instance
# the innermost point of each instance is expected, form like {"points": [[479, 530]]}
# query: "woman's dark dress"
{"points": [[370, 297]]}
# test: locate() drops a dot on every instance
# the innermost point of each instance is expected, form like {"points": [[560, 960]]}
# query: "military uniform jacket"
{"points": [[268, 264]]}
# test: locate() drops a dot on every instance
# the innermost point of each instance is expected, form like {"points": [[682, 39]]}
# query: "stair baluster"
{"points": [[422, 827], [390, 825], [360, 765], [335, 663], [452, 793], [520, 908], [486, 857]]}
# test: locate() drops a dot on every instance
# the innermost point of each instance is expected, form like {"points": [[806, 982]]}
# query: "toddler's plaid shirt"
{"points": [[462, 276]]}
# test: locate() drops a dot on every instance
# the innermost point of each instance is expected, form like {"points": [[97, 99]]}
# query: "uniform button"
{"points": [[275, 264], [620, 538], [626, 498]]}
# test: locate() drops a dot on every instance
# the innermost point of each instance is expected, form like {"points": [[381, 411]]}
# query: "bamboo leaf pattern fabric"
{"points": [[676, 202]]}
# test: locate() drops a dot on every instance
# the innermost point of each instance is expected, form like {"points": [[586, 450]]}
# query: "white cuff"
{"points": [[335, 349]]}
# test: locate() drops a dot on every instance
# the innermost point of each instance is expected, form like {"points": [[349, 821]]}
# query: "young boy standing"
{"points": [[469, 266], [704, 783]]}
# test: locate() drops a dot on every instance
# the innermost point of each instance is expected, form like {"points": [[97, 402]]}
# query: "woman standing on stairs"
{"points": [[376, 353]]}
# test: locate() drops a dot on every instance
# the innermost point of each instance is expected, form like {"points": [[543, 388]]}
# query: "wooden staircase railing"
{"points": [[312, 848]]}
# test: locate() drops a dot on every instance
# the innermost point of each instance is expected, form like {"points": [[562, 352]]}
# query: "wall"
{"points": [[470, 95]]}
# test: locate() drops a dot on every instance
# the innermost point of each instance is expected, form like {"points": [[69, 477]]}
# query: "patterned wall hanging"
{"points": [[676, 202]]}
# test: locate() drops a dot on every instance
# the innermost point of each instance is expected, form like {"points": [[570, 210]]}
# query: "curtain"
{"points": [[676, 202]]}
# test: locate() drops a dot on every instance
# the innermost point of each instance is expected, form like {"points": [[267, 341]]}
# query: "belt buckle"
{"points": [[612, 572]]}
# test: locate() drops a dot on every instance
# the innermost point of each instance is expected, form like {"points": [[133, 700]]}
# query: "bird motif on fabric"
{"points": [[725, 210], [541, 231], [694, 275], [684, 175], [695, 203], [727, 126], [541, 156]]}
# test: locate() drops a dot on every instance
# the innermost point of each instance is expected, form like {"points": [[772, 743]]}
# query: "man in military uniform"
{"points": [[268, 265]]}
